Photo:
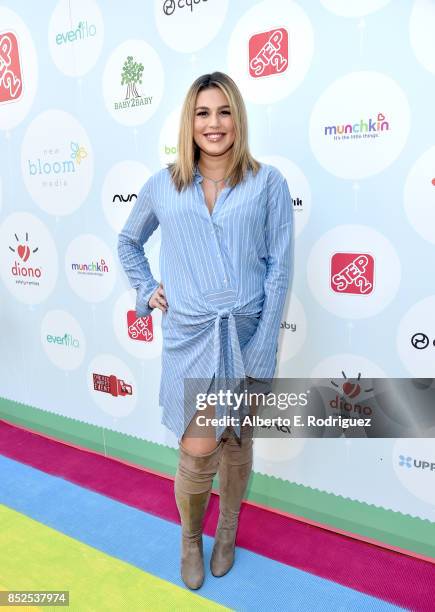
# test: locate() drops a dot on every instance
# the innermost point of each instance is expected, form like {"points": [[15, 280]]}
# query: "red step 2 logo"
{"points": [[268, 53], [139, 328], [11, 85], [352, 273]]}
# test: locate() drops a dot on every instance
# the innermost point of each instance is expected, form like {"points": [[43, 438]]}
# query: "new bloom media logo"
{"points": [[364, 128], [11, 82], [406, 461], [54, 165], [352, 273], [23, 273], [268, 53]]}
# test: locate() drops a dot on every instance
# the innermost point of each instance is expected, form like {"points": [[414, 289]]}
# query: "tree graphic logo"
{"points": [[131, 75]]}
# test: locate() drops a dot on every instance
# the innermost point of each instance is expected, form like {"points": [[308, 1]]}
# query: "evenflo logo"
{"points": [[409, 462], [24, 273], [82, 31], [268, 53], [364, 128], [11, 84], [352, 273]]}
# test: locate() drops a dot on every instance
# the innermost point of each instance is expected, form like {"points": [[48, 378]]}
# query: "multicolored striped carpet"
{"points": [[109, 534]]}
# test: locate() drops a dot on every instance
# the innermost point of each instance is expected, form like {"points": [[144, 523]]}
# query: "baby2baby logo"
{"points": [[11, 84], [131, 78], [364, 128]]}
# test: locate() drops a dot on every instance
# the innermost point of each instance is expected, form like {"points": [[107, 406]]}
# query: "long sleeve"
{"points": [[260, 352], [140, 225]]}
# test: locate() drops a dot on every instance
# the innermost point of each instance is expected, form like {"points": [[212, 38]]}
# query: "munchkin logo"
{"points": [[369, 128], [97, 268], [409, 462]]}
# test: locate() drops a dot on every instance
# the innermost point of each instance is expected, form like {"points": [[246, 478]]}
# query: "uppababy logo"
{"points": [[268, 53], [23, 272], [131, 76], [409, 462], [369, 128], [169, 6], [11, 84]]}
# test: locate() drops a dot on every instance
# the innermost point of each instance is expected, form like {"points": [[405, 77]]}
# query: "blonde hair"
{"points": [[241, 160]]}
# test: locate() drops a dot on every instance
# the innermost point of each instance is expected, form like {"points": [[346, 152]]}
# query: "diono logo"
{"points": [[24, 253], [169, 6], [11, 85], [351, 389]]}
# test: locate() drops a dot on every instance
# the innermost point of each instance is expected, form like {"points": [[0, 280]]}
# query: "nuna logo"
{"points": [[364, 128], [119, 197], [409, 462], [68, 165], [83, 31], [95, 268]]}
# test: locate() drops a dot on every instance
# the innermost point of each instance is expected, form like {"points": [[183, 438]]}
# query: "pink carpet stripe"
{"points": [[398, 578]]}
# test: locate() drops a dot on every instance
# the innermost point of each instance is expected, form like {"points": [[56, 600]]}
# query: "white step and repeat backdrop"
{"points": [[340, 97]]}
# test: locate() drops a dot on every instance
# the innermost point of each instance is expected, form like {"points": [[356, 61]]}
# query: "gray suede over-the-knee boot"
{"points": [[192, 487]]}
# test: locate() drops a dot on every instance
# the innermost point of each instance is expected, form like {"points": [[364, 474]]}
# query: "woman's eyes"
{"points": [[204, 113]]}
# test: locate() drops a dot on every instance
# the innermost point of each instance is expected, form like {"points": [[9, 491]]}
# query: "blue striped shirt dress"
{"points": [[225, 276]]}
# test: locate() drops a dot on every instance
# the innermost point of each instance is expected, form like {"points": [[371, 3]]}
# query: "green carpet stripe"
{"points": [[393, 528], [36, 557]]}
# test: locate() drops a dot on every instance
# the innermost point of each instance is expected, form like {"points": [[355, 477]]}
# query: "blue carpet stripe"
{"points": [[153, 544]]}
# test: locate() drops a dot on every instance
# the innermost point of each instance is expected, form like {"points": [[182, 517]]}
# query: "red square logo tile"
{"points": [[139, 328], [11, 84], [352, 273], [268, 53]]}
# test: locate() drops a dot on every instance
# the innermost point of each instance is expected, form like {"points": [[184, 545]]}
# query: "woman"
{"points": [[225, 261]]}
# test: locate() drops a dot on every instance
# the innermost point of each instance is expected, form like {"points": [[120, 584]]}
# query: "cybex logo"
{"points": [[169, 6], [118, 197], [421, 341], [24, 253], [83, 31], [11, 85]]}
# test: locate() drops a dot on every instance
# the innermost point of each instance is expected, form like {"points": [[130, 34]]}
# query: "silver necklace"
{"points": [[215, 182]]}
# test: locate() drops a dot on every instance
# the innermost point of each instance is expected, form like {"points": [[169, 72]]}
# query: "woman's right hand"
{"points": [[158, 299]]}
